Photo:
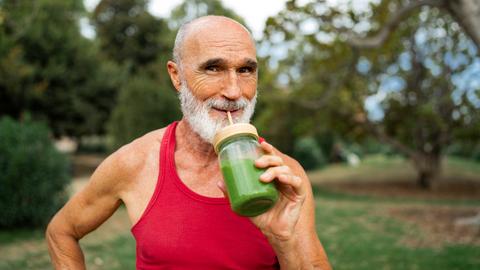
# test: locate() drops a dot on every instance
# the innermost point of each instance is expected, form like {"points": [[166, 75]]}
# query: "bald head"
{"points": [[199, 27]]}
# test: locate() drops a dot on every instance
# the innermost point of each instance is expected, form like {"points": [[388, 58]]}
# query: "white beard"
{"points": [[197, 113]]}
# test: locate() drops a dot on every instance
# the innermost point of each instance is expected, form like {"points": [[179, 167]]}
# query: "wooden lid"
{"points": [[233, 130]]}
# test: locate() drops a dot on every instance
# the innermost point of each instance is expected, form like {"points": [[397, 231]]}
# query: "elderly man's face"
{"points": [[220, 64]]}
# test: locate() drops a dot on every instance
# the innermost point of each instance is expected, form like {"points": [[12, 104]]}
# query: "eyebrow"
{"points": [[249, 62], [213, 62]]}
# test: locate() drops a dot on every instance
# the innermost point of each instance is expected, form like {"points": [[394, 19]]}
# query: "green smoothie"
{"points": [[248, 195]]}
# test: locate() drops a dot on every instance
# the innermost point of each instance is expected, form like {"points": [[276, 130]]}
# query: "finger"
{"points": [[223, 188], [273, 172], [294, 181], [267, 148], [268, 161]]}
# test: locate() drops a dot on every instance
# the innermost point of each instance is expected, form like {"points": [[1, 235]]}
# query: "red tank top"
{"points": [[181, 229]]}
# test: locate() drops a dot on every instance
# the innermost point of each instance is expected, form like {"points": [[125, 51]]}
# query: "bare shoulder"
{"points": [[123, 165], [102, 195]]}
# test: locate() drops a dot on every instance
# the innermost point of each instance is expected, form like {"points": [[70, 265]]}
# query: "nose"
{"points": [[231, 88]]}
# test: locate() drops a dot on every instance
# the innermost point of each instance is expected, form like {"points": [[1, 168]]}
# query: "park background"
{"points": [[379, 101]]}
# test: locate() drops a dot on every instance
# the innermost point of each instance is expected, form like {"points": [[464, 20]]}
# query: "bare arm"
{"points": [[84, 213], [290, 225], [303, 250]]}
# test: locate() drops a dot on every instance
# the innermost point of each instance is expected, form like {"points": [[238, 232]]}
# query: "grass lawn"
{"points": [[365, 235], [381, 168], [109, 247], [374, 217], [364, 231]]}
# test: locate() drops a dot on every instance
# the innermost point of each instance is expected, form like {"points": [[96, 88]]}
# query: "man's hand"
{"points": [[278, 223], [290, 224]]}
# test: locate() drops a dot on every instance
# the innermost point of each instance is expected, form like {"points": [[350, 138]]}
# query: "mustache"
{"points": [[227, 105]]}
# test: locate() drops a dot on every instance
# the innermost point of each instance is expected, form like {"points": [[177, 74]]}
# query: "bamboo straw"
{"points": [[229, 117]]}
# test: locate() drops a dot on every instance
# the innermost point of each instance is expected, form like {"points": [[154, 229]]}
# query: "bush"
{"points": [[373, 146], [476, 153], [309, 154], [143, 105], [326, 141], [466, 150], [33, 175]]}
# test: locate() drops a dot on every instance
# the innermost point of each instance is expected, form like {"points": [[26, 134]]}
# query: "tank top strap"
{"points": [[168, 148], [168, 141]]}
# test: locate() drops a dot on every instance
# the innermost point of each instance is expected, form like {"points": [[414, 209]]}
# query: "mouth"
{"points": [[224, 112]]}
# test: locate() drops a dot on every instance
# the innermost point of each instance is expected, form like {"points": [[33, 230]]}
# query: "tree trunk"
{"points": [[428, 167]]}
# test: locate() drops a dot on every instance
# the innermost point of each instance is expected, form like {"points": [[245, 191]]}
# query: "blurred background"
{"points": [[378, 100]]}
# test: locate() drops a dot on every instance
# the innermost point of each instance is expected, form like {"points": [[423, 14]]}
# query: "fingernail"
{"points": [[265, 176]]}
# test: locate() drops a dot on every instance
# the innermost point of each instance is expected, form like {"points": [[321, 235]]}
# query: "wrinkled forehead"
{"points": [[230, 42]]}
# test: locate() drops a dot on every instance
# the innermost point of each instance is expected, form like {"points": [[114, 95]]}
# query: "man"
{"points": [[176, 200]]}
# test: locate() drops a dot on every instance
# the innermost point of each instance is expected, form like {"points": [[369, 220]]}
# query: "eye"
{"points": [[212, 68], [246, 70]]}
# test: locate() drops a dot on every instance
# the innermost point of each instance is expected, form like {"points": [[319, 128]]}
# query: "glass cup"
{"points": [[237, 148]]}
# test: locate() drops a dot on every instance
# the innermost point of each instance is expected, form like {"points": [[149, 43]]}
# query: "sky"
{"points": [[255, 12]]}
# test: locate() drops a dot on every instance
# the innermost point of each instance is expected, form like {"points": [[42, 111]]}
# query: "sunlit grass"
{"points": [[381, 168], [356, 235]]}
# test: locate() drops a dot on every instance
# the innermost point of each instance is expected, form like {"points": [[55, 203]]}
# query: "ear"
{"points": [[174, 72]]}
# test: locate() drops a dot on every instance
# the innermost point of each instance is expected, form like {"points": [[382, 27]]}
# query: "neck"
{"points": [[189, 141]]}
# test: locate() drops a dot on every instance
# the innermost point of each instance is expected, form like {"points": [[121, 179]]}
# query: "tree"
{"points": [[129, 34], [412, 71], [49, 69], [131, 37], [148, 100], [143, 105], [465, 12]]}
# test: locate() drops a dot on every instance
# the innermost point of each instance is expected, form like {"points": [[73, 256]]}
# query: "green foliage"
{"points": [[49, 69], [476, 154], [372, 146], [278, 133], [414, 76], [143, 105], [33, 175], [308, 153], [464, 150], [128, 34], [97, 98], [132, 37]]}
